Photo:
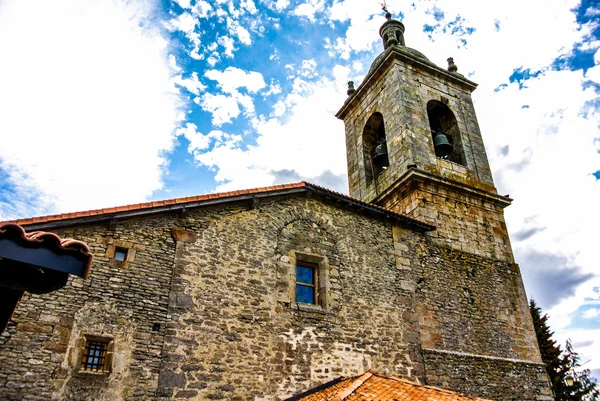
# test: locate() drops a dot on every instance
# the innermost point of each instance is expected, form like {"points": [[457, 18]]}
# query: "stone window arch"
{"points": [[375, 147], [443, 125]]}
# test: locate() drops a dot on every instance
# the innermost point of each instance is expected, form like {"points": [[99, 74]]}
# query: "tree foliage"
{"points": [[562, 365], [584, 386]]}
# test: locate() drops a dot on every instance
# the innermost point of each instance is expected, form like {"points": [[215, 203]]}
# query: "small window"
{"points": [[95, 356], [306, 284], [120, 254]]}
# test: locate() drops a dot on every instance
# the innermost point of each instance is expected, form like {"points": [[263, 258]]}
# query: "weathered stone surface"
{"points": [[514, 379], [42, 351]]}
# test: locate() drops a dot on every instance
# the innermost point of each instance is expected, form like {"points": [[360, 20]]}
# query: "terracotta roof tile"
{"points": [[183, 200], [50, 241], [372, 386]]}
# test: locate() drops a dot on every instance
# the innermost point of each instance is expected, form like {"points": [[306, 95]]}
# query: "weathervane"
{"points": [[383, 5]]}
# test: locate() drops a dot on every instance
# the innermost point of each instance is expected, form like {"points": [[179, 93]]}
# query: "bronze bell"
{"points": [[441, 144], [380, 158]]}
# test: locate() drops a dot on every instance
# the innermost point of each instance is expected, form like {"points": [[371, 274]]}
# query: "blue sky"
{"points": [[105, 103]]}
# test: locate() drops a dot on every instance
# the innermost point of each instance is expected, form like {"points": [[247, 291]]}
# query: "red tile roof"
{"points": [[275, 189], [372, 386], [50, 241]]}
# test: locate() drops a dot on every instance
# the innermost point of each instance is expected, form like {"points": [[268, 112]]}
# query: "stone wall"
{"points": [[240, 335], [465, 219], [205, 309], [41, 352], [490, 378], [474, 305]]}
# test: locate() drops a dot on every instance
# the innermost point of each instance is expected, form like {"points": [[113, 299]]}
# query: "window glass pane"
{"points": [[305, 294], [305, 275], [120, 255]]}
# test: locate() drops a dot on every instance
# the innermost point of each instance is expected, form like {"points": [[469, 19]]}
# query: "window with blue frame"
{"points": [[306, 283]]}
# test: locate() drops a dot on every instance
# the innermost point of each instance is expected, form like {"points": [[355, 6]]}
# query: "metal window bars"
{"points": [[94, 356]]}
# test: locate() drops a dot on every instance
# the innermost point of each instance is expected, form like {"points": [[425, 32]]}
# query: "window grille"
{"points": [[94, 356]]}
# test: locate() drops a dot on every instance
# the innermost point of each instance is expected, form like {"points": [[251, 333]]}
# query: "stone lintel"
{"points": [[407, 182], [398, 53]]}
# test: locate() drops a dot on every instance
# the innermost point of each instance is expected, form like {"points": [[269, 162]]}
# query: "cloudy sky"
{"points": [[104, 103]]}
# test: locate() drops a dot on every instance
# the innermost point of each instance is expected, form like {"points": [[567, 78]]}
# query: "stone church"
{"points": [[263, 294]]}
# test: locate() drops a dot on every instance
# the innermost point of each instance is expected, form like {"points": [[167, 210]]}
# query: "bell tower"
{"points": [[413, 146]]}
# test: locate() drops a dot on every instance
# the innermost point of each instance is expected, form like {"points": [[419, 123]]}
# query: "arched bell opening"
{"points": [[375, 147], [444, 131]]}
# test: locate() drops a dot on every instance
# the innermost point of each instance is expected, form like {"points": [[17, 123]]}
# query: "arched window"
{"points": [[375, 147], [444, 131]]}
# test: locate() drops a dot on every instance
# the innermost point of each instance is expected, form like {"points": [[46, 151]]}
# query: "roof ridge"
{"points": [[152, 203], [169, 204], [345, 392]]}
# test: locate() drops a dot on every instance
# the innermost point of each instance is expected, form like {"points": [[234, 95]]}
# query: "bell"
{"points": [[380, 158], [441, 144]]}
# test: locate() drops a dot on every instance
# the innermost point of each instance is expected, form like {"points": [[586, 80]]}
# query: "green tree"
{"points": [[584, 387], [562, 366], [551, 353]]}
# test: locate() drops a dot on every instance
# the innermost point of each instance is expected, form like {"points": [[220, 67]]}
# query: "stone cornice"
{"points": [[416, 175], [405, 55]]}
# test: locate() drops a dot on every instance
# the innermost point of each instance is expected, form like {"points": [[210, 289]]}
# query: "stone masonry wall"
{"points": [[474, 305], [40, 352], [491, 378], [465, 222], [238, 334], [204, 308]]}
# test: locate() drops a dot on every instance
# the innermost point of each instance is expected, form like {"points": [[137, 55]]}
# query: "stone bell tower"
{"points": [[414, 146]]}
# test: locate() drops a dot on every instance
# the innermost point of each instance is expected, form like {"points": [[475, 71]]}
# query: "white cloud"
{"points": [[309, 142], [591, 313], [173, 63], [227, 43], [186, 22], [249, 6], [196, 139], [243, 35], [274, 89], [213, 59], [309, 68], [309, 8], [233, 78], [201, 9], [279, 108], [191, 84], [223, 108], [89, 126], [281, 5], [184, 3]]}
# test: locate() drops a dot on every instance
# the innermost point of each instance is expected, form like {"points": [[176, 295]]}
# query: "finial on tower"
{"points": [[388, 15], [351, 89], [451, 66], [392, 31]]}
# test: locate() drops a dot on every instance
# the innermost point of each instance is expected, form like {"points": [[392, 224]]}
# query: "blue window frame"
{"points": [[306, 283]]}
